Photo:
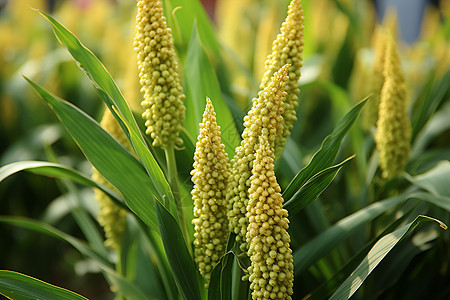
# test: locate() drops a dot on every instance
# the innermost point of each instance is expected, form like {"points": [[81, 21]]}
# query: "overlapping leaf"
{"points": [[375, 255], [201, 82], [180, 260], [108, 156], [115, 101], [312, 189], [327, 153]]}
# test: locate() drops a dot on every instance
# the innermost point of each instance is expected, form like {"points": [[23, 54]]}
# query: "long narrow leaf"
{"points": [[201, 82], [327, 153], [124, 286], [108, 156], [57, 171], [331, 285], [42, 227], [436, 181], [373, 258], [183, 14], [95, 70], [312, 189], [180, 260], [22, 287], [329, 239], [433, 96], [115, 101], [220, 282]]}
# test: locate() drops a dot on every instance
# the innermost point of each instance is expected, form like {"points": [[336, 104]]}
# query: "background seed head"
{"points": [[393, 126]]}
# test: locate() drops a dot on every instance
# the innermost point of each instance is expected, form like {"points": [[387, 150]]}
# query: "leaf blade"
{"points": [[108, 156], [113, 98], [202, 82], [15, 285], [312, 189], [374, 257], [55, 170], [180, 260], [328, 151]]}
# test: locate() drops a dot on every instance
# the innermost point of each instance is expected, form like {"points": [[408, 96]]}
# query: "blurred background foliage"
{"points": [[338, 61]]}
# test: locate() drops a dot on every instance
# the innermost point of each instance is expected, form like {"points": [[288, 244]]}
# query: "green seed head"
{"points": [[271, 271], [159, 77], [287, 49], [264, 119], [210, 178]]}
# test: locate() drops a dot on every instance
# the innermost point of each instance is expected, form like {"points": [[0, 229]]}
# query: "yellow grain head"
{"points": [[287, 49], [210, 178], [164, 110], [271, 272], [370, 112], [263, 119], [393, 133]]}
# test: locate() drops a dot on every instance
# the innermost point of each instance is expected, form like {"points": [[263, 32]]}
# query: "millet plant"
{"points": [[246, 172]]}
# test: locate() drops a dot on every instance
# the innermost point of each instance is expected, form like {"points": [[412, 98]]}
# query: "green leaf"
{"points": [[201, 82], [57, 171], [433, 95], [108, 156], [42, 227], [322, 244], [375, 255], [436, 181], [331, 285], [22, 287], [96, 72], [221, 278], [113, 98], [327, 153], [182, 15], [181, 262], [124, 286], [438, 124], [151, 166], [312, 189]]}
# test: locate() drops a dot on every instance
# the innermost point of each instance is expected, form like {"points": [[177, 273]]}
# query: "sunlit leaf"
{"points": [[375, 255], [327, 153], [312, 189], [108, 156]]}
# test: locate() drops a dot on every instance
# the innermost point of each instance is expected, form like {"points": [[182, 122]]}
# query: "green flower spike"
{"points": [[393, 126], [210, 178], [271, 272], [159, 75], [263, 119], [287, 49], [111, 217]]}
